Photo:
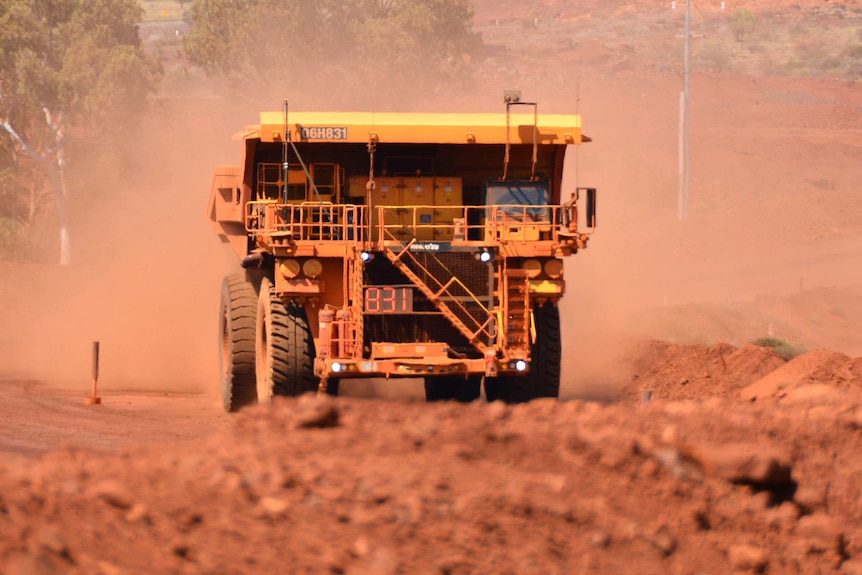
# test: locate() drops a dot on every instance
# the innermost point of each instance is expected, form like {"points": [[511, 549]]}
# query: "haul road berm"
{"points": [[398, 245]]}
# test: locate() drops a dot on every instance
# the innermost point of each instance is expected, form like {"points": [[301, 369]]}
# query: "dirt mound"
{"points": [[358, 486], [668, 371], [820, 317], [822, 367]]}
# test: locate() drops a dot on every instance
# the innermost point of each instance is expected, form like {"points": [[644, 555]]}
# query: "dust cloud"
{"points": [[147, 267], [755, 223], [771, 212]]}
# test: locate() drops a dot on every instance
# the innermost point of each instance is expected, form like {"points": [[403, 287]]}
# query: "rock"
{"points": [[852, 567], [316, 411], [138, 512], [497, 410], [25, 564], [669, 434], [810, 497], [600, 538], [360, 547], [819, 532], [456, 563], [747, 558], [382, 561], [664, 541], [679, 466], [113, 493], [543, 405], [853, 419], [783, 516], [273, 506], [50, 539], [755, 463], [680, 407], [106, 568], [422, 429]]}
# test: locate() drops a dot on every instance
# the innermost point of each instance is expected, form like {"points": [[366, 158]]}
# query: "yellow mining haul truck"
{"points": [[398, 245]]}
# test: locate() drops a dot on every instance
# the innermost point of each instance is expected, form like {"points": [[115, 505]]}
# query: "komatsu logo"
{"points": [[431, 247], [323, 133]]}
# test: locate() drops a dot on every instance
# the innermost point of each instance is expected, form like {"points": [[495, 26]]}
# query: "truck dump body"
{"points": [[400, 239]]}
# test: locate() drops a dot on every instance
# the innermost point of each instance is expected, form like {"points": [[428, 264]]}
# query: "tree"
{"points": [[743, 22], [65, 66], [23, 199], [348, 51]]}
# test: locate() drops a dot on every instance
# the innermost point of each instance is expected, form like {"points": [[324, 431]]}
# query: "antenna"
{"points": [[577, 148], [684, 155], [285, 165], [513, 98]]}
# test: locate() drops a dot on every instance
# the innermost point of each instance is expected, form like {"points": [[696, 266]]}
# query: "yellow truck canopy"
{"points": [[418, 128]]}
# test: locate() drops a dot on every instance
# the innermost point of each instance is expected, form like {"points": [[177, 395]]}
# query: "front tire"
{"points": [[284, 347], [237, 325], [543, 379]]}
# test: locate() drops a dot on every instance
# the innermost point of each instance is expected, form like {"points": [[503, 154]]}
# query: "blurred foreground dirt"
{"points": [[712, 459]]}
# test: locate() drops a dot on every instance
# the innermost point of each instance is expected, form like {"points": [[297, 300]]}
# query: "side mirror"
{"points": [[591, 206]]}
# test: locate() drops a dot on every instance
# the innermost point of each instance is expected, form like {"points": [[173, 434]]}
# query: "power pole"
{"points": [[684, 158]]}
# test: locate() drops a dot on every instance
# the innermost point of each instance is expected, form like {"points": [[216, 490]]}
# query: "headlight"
{"points": [[312, 268], [533, 268], [289, 268], [554, 268], [520, 365], [336, 367]]}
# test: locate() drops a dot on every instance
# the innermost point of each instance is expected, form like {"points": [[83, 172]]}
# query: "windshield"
{"points": [[516, 194]]}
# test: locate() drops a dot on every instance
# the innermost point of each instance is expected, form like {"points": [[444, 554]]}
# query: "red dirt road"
{"points": [[35, 418]]}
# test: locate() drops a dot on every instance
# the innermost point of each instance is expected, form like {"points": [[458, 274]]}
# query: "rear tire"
{"points": [[543, 379], [284, 347], [237, 326], [453, 387]]}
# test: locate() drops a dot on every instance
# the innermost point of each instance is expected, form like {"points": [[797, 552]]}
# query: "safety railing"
{"points": [[324, 221], [485, 224], [320, 221]]}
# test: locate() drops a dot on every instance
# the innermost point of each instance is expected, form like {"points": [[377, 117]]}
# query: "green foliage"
{"points": [[352, 50], [782, 348], [66, 67], [743, 23], [79, 58]]}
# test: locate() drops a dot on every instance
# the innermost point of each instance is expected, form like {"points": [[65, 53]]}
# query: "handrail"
{"points": [[441, 289], [319, 221], [325, 221]]}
